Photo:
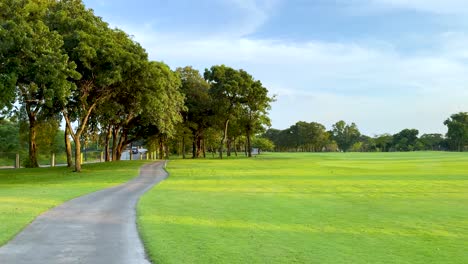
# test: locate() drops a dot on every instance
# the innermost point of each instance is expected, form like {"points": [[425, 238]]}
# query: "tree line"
{"points": [[59, 61], [313, 137]]}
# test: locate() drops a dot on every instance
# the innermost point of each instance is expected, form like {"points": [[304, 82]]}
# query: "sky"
{"points": [[386, 65]]}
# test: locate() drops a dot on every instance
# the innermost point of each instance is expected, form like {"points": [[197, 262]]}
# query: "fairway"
{"points": [[311, 208], [26, 193]]}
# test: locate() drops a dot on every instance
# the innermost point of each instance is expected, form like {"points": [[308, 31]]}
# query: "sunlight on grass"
{"points": [[311, 208]]}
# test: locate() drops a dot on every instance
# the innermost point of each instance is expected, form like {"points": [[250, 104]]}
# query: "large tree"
{"points": [[155, 106], [457, 134], [198, 115], [226, 93], [345, 135], [406, 140], [35, 61], [255, 106], [101, 57]]}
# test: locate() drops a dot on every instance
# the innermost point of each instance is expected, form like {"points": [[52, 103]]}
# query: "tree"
{"points": [[100, 56], [158, 104], [457, 134], [197, 117], [9, 131], [255, 106], [226, 93], [383, 142], [432, 141], [263, 144], [406, 140], [36, 62], [345, 135]]}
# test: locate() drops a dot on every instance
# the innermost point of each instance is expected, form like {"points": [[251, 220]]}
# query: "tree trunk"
{"points": [[194, 149], [32, 142], [221, 144], [183, 147], [204, 149], [228, 147], [198, 147], [122, 144], [107, 149], [166, 151], [235, 147], [77, 135], [249, 146], [68, 148], [77, 152], [161, 149], [115, 134]]}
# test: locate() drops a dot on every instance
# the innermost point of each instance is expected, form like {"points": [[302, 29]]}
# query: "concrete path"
{"points": [[96, 228]]}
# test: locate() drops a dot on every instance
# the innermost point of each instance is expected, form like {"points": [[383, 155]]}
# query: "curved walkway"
{"points": [[96, 228]]}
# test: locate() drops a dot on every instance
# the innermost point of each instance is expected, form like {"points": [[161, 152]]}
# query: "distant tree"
{"points": [[383, 142], [274, 136], [263, 144], [368, 144], [406, 140], [432, 141], [302, 136], [345, 135], [457, 134]]}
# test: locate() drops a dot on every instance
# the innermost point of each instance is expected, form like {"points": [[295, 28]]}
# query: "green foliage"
{"points": [[164, 103], [406, 140], [264, 144], [457, 134], [32, 56], [310, 208], [237, 99], [432, 142], [345, 135], [384, 142], [9, 141], [301, 136]]}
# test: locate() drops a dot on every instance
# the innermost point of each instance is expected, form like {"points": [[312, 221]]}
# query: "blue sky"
{"points": [[384, 64]]}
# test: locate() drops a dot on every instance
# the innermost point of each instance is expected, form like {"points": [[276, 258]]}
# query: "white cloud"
{"points": [[252, 15]]}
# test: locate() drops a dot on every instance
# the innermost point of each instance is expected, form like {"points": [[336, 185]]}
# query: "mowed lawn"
{"points": [[311, 208], [26, 193]]}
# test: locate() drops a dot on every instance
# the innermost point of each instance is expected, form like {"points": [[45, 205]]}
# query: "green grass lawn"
{"points": [[26, 193], [311, 208]]}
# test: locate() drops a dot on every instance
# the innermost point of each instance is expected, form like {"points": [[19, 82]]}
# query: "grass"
{"points": [[311, 208], [26, 193]]}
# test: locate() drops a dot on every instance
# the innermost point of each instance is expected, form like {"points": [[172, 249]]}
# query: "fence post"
{"points": [[52, 160], [147, 155], [17, 161], [81, 158], [102, 156]]}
